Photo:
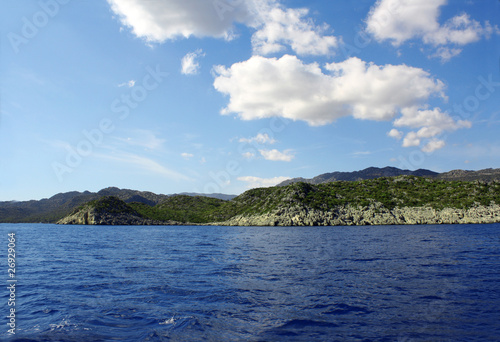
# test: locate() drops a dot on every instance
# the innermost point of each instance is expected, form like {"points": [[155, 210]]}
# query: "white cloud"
{"points": [[143, 163], [261, 138], [281, 27], [415, 118], [248, 155], [265, 87], [276, 155], [158, 21], [256, 182], [411, 139], [430, 123], [187, 156], [189, 64], [142, 138], [276, 26], [287, 87], [398, 21], [459, 30], [394, 133], [433, 145], [129, 84], [445, 53]]}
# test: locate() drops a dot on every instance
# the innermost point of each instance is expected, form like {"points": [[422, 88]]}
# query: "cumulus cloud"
{"points": [[257, 182], [276, 155], [411, 139], [276, 26], [394, 133], [265, 87], [430, 124], [158, 21], [398, 21], [433, 145], [280, 27], [189, 63], [289, 88]]}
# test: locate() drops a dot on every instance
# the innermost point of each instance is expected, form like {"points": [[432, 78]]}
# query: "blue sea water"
{"points": [[184, 283]]}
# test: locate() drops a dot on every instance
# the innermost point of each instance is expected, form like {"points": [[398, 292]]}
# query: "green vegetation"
{"points": [[112, 205], [182, 208], [388, 192], [404, 191]]}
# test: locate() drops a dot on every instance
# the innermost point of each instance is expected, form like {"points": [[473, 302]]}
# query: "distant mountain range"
{"points": [[60, 205], [375, 172], [54, 208]]}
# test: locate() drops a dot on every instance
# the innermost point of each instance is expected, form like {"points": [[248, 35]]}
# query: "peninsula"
{"points": [[405, 199]]}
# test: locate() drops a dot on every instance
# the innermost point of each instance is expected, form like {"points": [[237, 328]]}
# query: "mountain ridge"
{"points": [[52, 209], [382, 201], [388, 171], [49, 210]]}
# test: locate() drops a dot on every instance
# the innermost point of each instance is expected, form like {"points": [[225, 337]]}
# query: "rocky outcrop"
{"points": [[110, 211], [371, 215], [92, 217]]}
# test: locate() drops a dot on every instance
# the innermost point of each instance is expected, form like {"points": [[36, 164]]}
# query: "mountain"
{"points": [[58, 206], [381, 201], [486, 175], [375, 172], [51, 209]]}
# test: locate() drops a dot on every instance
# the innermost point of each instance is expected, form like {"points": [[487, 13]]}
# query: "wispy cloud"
{"points": [[141, 138], [261, 138], [129, 84], [142, 163], [187, 156]]}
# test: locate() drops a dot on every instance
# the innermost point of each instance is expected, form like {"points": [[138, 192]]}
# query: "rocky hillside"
{"points": [[109, 210], [386, 200], [53, 209], [486, 175]]}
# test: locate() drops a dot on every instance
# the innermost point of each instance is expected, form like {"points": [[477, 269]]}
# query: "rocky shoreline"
{"points": [[371, 215], [301, 216], [92, 217]]}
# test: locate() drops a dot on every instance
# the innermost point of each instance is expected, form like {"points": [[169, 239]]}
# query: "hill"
{"points": [[385, 200], [58, 206], [375, 172]]}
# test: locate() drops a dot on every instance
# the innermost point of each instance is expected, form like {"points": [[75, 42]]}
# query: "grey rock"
{"points": [[374, 214], [89, 216]]}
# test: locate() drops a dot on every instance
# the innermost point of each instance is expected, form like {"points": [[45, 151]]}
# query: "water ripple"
{"points": [[386, 283]]}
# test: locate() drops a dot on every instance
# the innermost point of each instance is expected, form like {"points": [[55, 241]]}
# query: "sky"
{"points": [[220, 96]]}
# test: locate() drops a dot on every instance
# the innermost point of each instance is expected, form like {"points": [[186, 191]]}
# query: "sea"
{"points": [[197, 283]]}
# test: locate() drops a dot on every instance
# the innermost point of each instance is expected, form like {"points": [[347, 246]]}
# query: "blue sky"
{"points": [[224, 95]]}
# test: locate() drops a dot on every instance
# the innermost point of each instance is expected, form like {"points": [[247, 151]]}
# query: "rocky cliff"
{"points": [[110, 211], [374, 214]]}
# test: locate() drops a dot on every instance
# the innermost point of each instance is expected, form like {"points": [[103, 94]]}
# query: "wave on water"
{"points": [[255, 283]]}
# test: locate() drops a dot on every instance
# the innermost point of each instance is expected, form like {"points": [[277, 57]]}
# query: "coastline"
{"points": [[301, 216]]}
